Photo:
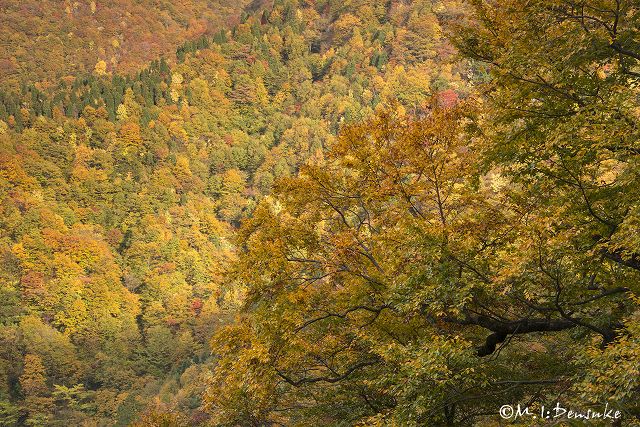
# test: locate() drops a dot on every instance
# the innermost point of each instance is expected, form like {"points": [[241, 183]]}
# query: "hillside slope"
{"points": [[46, 40], [120, 194]]}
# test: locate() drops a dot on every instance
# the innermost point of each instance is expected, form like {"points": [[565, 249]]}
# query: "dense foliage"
{"points": [[120, 193], [44, 40], [320, 215], [429, 270]]}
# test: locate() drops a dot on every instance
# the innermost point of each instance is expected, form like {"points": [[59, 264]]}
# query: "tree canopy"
{"points": [[432, 268], [327, 213]]}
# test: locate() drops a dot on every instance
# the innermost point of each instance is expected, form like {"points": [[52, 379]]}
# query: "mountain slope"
{"points": [[120, 194], [46, 40]]}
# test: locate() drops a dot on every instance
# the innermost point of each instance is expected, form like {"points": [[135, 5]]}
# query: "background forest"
{"points": [[317, 212]]}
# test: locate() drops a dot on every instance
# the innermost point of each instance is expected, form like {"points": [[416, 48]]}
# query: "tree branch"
{"points": [[327, 379], [632, 262], [604, 293], [375, 310], [501, 329], [615, 46]]}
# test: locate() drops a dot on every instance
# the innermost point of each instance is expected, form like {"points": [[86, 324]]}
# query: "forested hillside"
{"points": [[121, 193], [323, 213], [45, 40]]}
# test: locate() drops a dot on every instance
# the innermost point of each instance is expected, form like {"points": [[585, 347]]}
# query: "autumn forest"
{"points": [[319, 213]]}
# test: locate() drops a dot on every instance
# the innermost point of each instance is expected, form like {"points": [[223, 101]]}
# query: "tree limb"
{"points": [[327, 379], [632, 262], [501, 329]]}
